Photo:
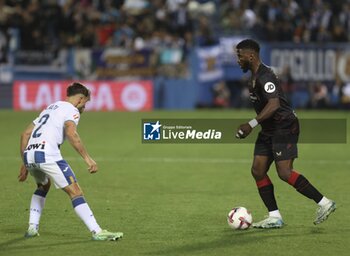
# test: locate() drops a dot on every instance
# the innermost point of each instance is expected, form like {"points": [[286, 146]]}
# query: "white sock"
{"points": [[84, 212], [323, 201], [275, 214], [36, 206]]}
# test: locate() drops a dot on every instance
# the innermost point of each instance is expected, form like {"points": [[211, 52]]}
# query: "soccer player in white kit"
{"points": [[40, 152]]}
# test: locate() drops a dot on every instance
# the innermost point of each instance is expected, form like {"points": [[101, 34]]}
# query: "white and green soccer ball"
{"points": [[239, 218]]}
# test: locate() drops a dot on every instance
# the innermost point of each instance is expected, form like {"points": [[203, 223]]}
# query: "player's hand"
{"points": [[243, 131], [92, 165], [23, 173]]}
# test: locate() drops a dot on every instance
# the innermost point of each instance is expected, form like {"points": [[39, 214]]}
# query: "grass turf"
{"points": [[172, 199]]}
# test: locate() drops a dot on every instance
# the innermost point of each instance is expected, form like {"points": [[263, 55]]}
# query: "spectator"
{"points": [[3, 46], [319, 95], [345, 99], [205, 36], [221, 95], [336, 93], [287, 83]]}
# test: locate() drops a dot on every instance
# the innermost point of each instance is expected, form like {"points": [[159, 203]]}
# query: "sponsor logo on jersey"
{"points": [[36, 146], [269, 87]]}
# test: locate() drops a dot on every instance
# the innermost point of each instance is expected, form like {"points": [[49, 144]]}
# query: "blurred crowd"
{"points": [[288, 20], [53, 24], [179, 25]]}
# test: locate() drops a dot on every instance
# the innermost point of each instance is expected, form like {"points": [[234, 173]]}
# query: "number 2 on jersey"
{"points": [[42, 121]]}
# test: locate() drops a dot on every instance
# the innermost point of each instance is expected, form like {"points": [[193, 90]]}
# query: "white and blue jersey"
{"points": [[42, 156], [48, 132]]}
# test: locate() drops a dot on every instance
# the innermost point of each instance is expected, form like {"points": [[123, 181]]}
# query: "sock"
{"points": [[266, 193], [323, 201], [36, 206], [275, 214], [303, 186], [84, 212]]}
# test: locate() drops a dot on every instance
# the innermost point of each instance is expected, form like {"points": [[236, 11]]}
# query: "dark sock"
{"points": [[303, 186], [266, 193]]}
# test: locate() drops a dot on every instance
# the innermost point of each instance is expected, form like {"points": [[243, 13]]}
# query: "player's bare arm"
{"points": [[25, 138], [272, 105], [23, 172], [75, 140], [245, 129]]}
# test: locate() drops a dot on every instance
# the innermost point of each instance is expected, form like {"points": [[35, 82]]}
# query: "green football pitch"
{"points": [[172, 199]]}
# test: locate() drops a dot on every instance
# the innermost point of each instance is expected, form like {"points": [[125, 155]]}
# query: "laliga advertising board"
{"points": [[106, 95]]}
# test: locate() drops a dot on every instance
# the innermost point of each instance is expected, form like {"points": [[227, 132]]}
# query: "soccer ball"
{"points": [[239, 218]]}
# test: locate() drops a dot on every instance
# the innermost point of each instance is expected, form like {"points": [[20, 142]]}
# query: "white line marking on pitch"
{"points": [[185, 160]]}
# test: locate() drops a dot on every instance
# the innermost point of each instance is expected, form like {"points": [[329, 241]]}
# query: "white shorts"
{"points": [[59, 172]]}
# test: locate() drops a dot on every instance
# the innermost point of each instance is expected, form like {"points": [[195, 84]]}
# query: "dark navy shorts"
{"points": [[280, 146]]}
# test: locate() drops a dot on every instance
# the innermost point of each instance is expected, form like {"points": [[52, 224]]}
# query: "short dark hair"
{"points": [[77, 88], [249, 44]]}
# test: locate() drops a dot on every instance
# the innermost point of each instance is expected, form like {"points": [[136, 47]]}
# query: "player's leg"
{"points": [[63, 177], [84, 212], [284, 165], [261, 164], [37, 202], [81, 207], [298, 181]]}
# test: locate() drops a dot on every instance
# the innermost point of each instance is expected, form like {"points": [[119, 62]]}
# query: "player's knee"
{"points": [[76, 192], [284, 174], [257, 174], [73, 190], [45, 187]]}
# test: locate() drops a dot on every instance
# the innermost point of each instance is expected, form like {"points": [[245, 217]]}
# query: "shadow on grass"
{"points": [[22, 243], [237, 238]]}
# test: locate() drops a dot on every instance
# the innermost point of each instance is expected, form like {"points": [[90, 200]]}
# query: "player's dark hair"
{"points": [[249, 44], [77, 88]]}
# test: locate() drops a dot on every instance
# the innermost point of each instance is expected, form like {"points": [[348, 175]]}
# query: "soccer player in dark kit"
{"points": [[277, 140]]}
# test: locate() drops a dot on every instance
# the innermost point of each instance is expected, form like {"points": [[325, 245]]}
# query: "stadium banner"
{"points": [[105, 95], [207, 64], [177, 131], [307, 62], [111, 63], [311, 62]]}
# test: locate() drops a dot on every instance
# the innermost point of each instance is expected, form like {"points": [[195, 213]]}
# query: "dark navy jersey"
{"points": [[264, 86]]}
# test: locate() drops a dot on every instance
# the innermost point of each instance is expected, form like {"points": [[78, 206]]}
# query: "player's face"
{"points": [[244, 59], [82, 103]]}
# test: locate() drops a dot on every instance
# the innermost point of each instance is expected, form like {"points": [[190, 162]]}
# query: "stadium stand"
{"points": [[173, 28]]}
